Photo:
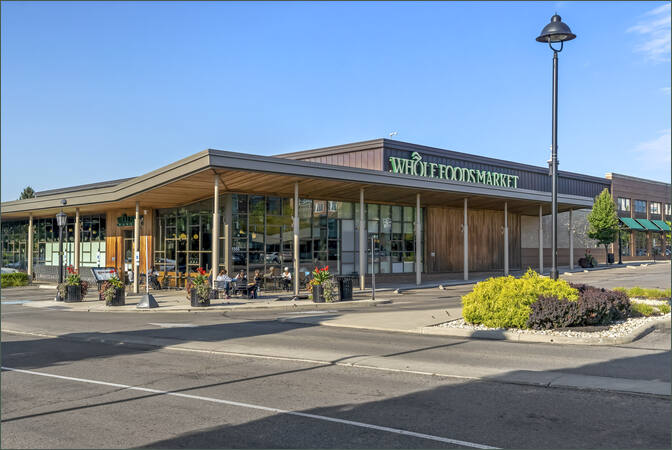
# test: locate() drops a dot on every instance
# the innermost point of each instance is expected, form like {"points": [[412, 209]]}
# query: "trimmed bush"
{"points": [[601, 306], [664, 308], [13, 279], [504, 302], [551, 312]]}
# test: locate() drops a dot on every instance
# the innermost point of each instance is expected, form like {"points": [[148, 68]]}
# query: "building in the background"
{"points": [[428, 210], [644, 208]]}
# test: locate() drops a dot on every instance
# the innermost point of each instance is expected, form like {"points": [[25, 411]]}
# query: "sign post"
{"points": [[373, 273]]}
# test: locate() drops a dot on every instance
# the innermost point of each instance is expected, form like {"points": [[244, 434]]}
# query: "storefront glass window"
{"points": [[640, 243], [262, 236]]}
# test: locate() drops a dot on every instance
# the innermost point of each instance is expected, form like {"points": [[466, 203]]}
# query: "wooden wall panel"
{"points": [[365, 159], [114, 254], [486, 240]]}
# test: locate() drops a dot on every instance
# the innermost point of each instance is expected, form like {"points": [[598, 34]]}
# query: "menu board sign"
{"points": [[103, 273]]}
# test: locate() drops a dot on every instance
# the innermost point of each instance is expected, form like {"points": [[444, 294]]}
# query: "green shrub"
{"points": [[639, 292], [13, 279], [664, 308], [642, 309], [504, 302]]}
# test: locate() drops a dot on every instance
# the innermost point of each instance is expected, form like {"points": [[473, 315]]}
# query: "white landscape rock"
{"points": [[617, 329]]}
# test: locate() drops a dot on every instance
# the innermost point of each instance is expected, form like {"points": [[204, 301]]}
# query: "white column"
{"points": [[465, 230], [30, 248], [215, 234], [571, 242], [541, 241], [136, 247], [296, 239], [418, 240], [506, 239], [362, 239], [77, 237], [228, 219]]}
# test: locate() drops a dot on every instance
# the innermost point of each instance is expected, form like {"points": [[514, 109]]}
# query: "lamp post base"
{"points": [[147, 301], [554, 274]]}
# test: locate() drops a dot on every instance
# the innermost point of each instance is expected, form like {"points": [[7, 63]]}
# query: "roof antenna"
{"points": [[394, 133]]}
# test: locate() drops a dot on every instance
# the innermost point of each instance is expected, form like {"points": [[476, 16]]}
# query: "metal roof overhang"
{"points": [[192, 179]]}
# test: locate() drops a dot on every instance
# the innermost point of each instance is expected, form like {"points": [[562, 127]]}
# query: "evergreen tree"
{"points": [[28, 192], [603, 220]]}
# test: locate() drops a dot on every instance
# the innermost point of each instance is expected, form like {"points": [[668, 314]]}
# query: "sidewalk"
{"points": [[176, 301]]}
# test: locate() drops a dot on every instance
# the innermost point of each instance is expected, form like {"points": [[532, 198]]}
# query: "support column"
{"points": [[571, 241], [136, 247], [228, 220], [30, 248], [362, 240], [296, 239], [465, 230], [541, 241], [215, 234], [506, 239], [77, 237], [418, 240]]}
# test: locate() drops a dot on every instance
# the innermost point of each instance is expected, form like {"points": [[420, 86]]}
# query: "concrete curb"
{"points": [[501, 335]]}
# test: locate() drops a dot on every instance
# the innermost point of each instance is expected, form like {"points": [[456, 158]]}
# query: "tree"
{"points": [[603, 220], [28, 192]]}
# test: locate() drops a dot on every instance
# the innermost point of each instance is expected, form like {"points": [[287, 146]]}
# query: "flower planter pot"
{"points": [[214, 294], [73, 293], [196, 301], [119, 298], [318, 294]]}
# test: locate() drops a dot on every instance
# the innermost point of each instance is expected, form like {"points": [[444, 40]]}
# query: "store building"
{"points": [[644, 209], [428, 210]]}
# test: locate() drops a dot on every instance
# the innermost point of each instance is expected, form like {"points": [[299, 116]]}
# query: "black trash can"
{"points": [[610, 258], [344, 288]]}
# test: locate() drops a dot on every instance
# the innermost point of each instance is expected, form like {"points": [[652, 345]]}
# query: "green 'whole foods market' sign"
{"points": [[416, 166]]}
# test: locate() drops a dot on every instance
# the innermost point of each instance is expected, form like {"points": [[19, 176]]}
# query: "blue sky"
{"points": [[93, 91]]}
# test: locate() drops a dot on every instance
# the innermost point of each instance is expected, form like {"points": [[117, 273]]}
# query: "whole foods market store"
{"points": [[427, 210]]}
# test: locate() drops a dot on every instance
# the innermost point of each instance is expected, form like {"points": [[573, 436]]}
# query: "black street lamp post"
{"points": [[61, 219], [555, 31]]}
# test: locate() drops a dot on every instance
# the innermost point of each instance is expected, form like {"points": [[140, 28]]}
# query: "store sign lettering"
{"points": [[415, 166], [128, 221]]}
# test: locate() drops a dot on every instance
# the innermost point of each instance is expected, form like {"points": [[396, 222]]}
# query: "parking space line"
{"points": [[262, 408]]}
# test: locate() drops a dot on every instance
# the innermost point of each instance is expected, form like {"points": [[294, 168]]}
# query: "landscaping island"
{"points": [[540, 305]]}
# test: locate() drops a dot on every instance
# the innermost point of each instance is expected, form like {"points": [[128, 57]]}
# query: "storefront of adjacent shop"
{"points": [[425, 210], [644, 208]]}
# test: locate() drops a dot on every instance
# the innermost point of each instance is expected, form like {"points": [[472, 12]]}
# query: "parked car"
{"points": [[8, 270]]}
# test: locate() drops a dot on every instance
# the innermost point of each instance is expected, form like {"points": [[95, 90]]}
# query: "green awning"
{"points": [[646, 223], [662, 225], [632, 224]]}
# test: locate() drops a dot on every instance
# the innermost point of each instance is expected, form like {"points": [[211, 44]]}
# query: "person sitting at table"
{"points": [[253, 286], [224, 282], [154, 278], [286, 279], [241, 281]]}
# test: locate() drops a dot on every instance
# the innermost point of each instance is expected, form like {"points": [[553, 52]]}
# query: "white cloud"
{"points": [[666, 90], [655, 153], [655, 32]]}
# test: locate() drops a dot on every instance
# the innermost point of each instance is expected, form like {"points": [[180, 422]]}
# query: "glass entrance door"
{"points": [[128, 250]]}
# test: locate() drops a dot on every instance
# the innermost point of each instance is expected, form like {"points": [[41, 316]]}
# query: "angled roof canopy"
{"points": [[648, 225], [662, 225], [632, 224]]}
